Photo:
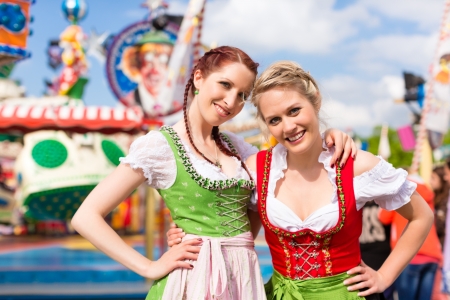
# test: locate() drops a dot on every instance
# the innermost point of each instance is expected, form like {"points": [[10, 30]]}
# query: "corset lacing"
{"points": [[305, 255], [235, 208]]}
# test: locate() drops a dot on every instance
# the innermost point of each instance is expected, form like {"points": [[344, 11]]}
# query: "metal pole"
{"points": [[150, 219]]}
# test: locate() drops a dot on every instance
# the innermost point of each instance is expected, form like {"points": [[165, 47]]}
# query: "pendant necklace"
{"points": [[217, 163]]}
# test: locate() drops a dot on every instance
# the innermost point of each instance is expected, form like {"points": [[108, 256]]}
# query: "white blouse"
{"points": [[152, 154], [384, 184]]}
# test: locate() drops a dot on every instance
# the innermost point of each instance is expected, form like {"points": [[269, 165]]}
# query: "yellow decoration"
{"points": [[426, 162]]}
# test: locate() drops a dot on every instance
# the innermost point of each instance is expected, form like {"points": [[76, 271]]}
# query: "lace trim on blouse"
{"points": [[152, 154]]}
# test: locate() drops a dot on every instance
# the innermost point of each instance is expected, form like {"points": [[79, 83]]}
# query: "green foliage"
{"points": [[398, 158], [446, 138]]}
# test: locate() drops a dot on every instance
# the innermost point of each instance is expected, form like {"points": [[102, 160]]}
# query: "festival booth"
{"points": [[65, 153]]}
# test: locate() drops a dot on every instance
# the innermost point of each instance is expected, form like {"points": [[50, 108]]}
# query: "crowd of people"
{"points": [[310, 194]]}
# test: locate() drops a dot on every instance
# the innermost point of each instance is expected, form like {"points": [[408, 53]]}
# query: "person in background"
{"points": [[374, 242], [440, 188], [446, 251], [417, 280]]}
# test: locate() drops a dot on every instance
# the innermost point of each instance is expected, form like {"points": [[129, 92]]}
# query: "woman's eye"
{"points": [[225, 84], [295, 110], [243, 96], [274, 121]]}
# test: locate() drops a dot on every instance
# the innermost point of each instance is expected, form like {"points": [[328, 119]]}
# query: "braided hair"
{"points": [[207, 64]]}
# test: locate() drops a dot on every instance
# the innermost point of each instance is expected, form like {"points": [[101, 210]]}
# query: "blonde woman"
{"points": [[311, 211]]}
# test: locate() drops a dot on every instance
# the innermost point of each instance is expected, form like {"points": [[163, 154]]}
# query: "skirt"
{"points": [[227, 269]]}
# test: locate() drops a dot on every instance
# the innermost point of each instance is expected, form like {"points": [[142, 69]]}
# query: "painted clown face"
{"points": [[153, 60]]}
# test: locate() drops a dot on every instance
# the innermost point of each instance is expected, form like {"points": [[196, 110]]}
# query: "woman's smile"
{"points": [[221, 111]]}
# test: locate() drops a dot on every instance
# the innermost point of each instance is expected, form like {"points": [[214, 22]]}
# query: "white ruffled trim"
{"points": [[383, 183], [152, 154], [387, 186]]}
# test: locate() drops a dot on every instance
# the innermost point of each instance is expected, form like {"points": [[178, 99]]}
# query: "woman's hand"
{"points": [[368, 279], [174, 235], [344, 145], [175, 258]]}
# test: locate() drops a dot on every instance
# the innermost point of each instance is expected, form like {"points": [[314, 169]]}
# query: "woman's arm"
{"points": [[420, 218], [89, 222], [255, 222]]}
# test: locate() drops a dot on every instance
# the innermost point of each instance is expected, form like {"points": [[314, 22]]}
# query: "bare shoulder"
{"points": [[364, 162], [251, 162]]}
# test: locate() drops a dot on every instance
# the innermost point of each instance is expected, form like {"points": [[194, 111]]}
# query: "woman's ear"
{"points": [[198, 79], [319, 102]]}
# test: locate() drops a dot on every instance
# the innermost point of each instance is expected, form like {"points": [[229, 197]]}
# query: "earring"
{"points": [[196, 92]]}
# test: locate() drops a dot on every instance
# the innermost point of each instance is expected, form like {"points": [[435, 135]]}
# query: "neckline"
{"points": [[277, 230], [325, 156], [203, 182], [311, 215]]}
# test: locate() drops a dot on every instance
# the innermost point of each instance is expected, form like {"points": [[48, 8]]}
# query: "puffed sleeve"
{"points": [[243, 148], [153, 155], [384, 184]]}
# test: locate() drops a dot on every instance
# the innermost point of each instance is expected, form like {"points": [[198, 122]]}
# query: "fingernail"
{"points": [[342, 165], [332, 165], [181, 230], [200, 239], [349, 288], [345, 282], [179, 240], [183, 233], [191, 266]]}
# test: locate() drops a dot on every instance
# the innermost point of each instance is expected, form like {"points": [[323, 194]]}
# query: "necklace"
{"points": [[217, 163]]}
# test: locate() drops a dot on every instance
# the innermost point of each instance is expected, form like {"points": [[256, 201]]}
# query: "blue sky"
{"points": [[357, 50]]}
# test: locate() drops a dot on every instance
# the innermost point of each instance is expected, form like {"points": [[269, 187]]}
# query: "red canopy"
{"points": [[26, 118]]}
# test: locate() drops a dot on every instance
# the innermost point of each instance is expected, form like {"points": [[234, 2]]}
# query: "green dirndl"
{"points": [[332, 287]]}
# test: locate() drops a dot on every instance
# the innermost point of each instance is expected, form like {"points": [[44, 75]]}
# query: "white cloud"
{"points": [[426, 14], [303, 26], [177, 7], [358, 104], [310, 27], [352, 90], [389, 51]]}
